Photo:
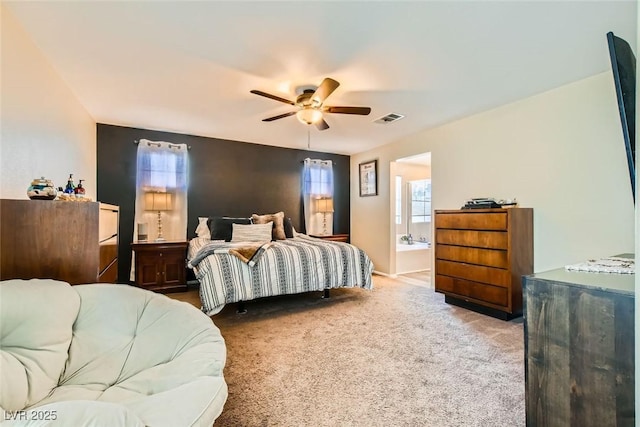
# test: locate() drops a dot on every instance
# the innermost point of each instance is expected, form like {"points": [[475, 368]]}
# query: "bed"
{"points": [[231, 272]]}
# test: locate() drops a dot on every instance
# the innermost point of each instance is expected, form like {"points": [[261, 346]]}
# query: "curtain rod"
{"points": [[135, 141], [328, 160]]}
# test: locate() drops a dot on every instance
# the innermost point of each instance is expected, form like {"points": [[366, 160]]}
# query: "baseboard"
{"points": [[380, 273], [415, 271]]}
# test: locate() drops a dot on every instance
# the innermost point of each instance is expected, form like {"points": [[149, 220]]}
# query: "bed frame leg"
{"points": [[241, 309], [326, 294]]}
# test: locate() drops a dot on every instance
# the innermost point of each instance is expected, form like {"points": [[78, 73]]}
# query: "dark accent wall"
{"points": [[225, 178]]}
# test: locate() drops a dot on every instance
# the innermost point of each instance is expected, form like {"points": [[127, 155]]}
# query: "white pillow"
{"points": [[202, 230], [252, 232]]}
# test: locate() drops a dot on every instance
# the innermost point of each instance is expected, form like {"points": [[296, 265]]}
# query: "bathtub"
{"points": [[412, 258]]}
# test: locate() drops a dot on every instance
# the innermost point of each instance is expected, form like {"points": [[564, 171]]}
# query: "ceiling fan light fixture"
{"points": [[309, 116]]}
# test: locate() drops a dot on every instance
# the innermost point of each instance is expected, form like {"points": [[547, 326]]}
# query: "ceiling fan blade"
{"points": [[322, 125], [363, 111], [281, 116], [325, 89], [268, 95]]}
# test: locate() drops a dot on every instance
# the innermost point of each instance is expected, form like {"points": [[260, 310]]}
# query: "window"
{"points": [[162, 168], [398, 199], [420, 201], [317, 181], [318, 178]]}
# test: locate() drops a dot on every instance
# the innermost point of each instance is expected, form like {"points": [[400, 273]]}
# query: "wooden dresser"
{"points": [[481, 256], [76, 242], [332, 237], [579, 349]]}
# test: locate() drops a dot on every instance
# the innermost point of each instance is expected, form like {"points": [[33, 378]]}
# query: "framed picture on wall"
{"points": [[369, 178]]}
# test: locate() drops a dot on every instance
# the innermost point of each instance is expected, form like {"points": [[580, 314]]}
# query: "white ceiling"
{"points": [[188, 67]]}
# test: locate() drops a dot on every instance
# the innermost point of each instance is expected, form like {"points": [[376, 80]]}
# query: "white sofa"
{"points": [[106, 355]]}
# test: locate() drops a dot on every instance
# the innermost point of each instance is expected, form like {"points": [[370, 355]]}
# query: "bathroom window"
{"points": [[398, 199], [420, 201]]}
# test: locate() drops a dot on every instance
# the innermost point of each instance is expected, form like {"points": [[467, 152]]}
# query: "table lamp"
{"points": [[158, 202], [324, 206]]}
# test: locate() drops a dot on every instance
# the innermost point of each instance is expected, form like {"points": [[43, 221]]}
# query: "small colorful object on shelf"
{"points": [[79, 190], [70, 188], [41, 189]]}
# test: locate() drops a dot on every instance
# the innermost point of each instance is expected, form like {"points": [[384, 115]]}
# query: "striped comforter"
{"points": [[289, 266]]}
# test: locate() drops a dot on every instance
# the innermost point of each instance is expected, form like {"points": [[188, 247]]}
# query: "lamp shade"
{"points": [[309, 115], [158, 201], [324, 205]]}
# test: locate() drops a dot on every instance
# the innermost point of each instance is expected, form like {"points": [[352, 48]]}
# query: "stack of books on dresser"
{"points": [[488, 203]]}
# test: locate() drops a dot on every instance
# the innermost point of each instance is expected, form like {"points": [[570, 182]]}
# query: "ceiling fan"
{"points": [[310, 104]]}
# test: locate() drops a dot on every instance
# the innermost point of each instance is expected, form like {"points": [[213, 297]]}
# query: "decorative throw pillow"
{"points": [[278, 223], [252, 232], [202, 230], [221, 227], [288, 228]]}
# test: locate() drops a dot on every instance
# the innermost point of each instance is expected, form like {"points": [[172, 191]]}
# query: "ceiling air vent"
{"points": [[391, 117]]}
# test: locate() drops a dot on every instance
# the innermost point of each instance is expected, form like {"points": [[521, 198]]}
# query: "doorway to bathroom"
{"points": [[413, 230]]}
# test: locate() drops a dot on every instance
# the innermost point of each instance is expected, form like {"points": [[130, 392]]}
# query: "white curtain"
{"points": [[161, 167], [317, 182]]}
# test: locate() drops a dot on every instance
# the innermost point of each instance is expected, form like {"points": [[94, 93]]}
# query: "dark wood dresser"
{"points": [[332, 237], [481, 256], [161, 266], [579, 349], [76, 242]]}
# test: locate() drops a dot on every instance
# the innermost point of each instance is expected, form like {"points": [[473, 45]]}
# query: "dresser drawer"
{"points": [[107, 222], [472, 221], [108, 252], [479, 291], [478, 239], [110, 275], [488, 257], [477, 273]]}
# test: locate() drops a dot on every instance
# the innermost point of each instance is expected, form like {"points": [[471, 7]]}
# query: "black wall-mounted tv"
{"points": [[623, 64]]}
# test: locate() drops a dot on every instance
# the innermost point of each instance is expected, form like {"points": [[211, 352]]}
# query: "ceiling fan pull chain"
{"points": [[308, 137]]}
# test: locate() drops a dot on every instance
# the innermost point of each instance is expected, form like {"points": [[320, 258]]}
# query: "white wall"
{"points": [[45, 130], [560, 152]]}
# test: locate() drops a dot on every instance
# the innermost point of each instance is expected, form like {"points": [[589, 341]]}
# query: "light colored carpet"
{"points": [[394, 356]]}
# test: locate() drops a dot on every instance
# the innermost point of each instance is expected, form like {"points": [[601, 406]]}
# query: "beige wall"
{"points": [[560, 152], [45, 130]]}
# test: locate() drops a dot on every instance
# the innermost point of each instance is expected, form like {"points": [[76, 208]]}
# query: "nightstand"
{"points": [[161, 266], [332, 237]]}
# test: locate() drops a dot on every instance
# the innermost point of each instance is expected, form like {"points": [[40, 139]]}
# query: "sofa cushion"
{"points": [[109, 353], [35, 332], [158, 358]]}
